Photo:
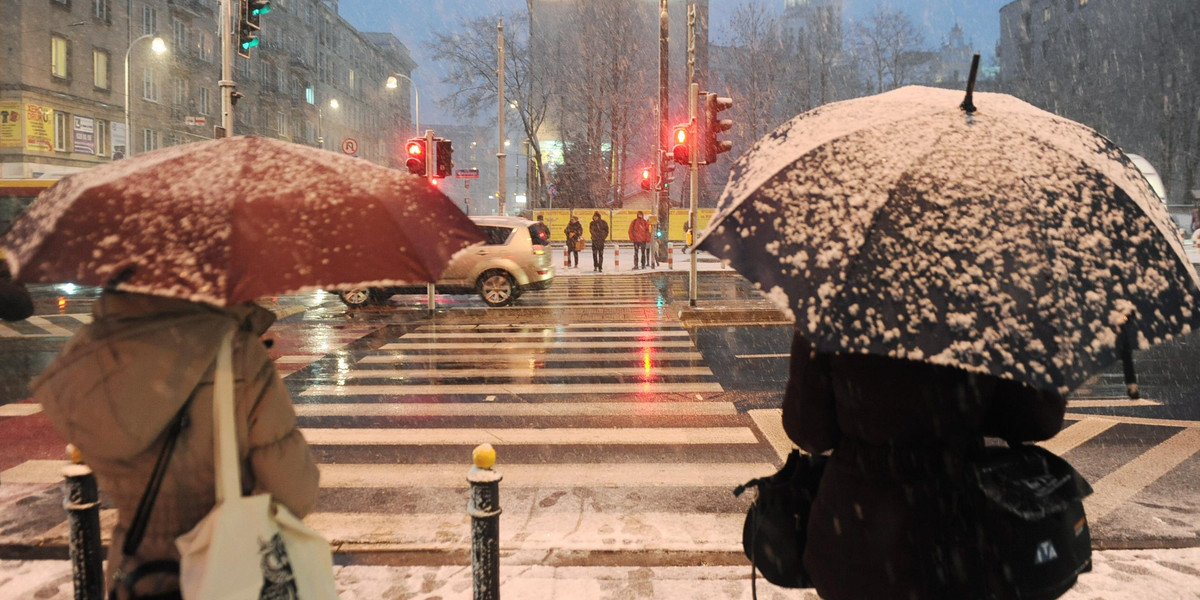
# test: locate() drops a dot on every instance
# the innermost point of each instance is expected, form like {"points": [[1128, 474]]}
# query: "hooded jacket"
{"points": [[120, 380], [598, 229]]}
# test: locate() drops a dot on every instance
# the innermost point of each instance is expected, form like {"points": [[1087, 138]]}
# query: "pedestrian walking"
{"points": [[143, 369], [16, 303], [574, 233], [639, 234], [889, 519], [598, 229], [542, 232]]}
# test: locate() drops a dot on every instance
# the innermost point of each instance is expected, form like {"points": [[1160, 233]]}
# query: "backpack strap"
{"points": [[141, 517]]}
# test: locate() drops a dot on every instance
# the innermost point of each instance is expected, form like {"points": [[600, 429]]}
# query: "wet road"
{"points": [[618, 428]]}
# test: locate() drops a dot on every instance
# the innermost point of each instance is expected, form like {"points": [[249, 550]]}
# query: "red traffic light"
{"points": [[416, 163], [416, 148], [681, 151], [647, 178]]}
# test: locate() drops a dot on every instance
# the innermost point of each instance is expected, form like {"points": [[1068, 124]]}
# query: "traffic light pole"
{"points": [[225, 34], [664, 109], [500, 156], [693, 152]]}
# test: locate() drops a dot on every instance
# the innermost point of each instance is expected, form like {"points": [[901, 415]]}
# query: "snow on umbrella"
{"points": [[235, 219], [1004, 240]]}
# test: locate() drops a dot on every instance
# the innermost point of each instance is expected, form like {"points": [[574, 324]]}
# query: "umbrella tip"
{"points": [[967, 105]]}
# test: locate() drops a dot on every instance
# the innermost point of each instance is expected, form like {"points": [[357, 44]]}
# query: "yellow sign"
{"points": [[39, 128], [10, 124]]}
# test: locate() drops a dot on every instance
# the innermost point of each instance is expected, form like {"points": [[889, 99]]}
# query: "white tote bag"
{"points": [[248, 547]]}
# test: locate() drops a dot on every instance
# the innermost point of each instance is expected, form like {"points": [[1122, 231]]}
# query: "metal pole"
{"points": [[128, 118], [416, 106], [693, 147], [501, 195], [484, 508], [664, 129], [82, 502], [225, 34]]}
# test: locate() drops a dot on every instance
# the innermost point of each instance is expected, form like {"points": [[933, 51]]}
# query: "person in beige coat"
{"points": [[121, 380]]}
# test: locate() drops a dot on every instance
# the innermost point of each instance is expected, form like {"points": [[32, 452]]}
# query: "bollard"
{"points": [[566, 255], [616, 257], [82, 502], [670, 256], [484, 508]]}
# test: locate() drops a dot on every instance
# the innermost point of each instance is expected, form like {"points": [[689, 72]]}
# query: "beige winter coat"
{"points": [[116, 385]]}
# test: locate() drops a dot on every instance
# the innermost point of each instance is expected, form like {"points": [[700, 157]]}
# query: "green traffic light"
{"points": [[261, 11], [250, 43]]}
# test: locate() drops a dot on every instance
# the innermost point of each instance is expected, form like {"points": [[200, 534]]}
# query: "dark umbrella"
{"points": [[1004, 240], [235, 219]]}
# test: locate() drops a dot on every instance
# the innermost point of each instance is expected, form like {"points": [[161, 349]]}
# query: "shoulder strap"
{"points": [[141, 518]]}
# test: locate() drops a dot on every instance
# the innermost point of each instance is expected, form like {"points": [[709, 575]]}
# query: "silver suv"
{"points": [[509, 263]]}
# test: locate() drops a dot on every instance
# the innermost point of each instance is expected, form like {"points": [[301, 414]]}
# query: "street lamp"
{"points": [[333, 103], [158, 47], [391, 85]]}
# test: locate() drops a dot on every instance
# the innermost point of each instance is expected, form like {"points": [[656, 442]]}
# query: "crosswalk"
{"points": [[45, 326]]}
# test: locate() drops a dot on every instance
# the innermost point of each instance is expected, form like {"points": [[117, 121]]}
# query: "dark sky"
{"points": [[412, 21]]}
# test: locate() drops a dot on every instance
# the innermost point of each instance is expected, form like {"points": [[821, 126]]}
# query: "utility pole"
{"points": [[225, 34], [664, 129], [500, 156], [693, 150]]}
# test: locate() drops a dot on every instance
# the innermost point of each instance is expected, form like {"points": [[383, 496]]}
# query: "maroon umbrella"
{"points": [[231, 220]]}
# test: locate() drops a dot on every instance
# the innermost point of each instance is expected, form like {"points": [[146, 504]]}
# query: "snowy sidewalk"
{"points": [[1172, 574], [618, 258]]}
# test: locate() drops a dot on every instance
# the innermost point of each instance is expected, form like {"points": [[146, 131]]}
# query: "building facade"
{"points": [[313, 79]]}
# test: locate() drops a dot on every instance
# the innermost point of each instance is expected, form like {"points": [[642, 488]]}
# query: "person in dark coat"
{"points": [[888, 520], [16, 303], [598, 229], [574, 232], [543, 232]]}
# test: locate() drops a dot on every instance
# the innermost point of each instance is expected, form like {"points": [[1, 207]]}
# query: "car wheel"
{"points": [[496, 288], [362, 297]]}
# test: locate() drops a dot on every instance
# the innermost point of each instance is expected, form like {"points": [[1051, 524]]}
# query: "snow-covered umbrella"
{"points": [[990, 236], [232, 220]]}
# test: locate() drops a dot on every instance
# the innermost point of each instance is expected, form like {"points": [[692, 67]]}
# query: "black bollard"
{"points": [[82, 501], [484, 508]]}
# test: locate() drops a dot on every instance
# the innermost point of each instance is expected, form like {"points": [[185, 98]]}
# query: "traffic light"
{"points": [[255, 9], [417, 162], [647, 178], [247, 32], [682, 141], [444, 149], [713, 127]]}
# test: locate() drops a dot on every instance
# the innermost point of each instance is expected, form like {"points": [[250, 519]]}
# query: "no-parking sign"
{"points": [[349, 146]]}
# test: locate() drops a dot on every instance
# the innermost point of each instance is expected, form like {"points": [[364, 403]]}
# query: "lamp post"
{"points": [[391, 85], [333, 103], [158, 47]]}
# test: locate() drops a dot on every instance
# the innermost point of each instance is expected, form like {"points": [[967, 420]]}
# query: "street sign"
{"points": [[472, 173], [195, 121], [349, 146]]}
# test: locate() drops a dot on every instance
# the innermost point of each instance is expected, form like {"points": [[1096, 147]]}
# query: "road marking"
{"points": [[513, 388], [555, 326], [446, 335], [20, 409], [529, 357], [1134, 420], [631, 344], [528, 371], [1119, 486], [1076, 434], [1109, 403], [454, 475], [516, 409], [770, 423], [298, 358], [35, 471], [762, 355], [546, 436], [51, 328]]}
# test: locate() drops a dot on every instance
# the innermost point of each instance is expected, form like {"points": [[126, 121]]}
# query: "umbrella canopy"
{"points": [[1007, 241], [235, 219]]}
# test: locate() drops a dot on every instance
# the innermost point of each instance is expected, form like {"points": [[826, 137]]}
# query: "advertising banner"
{"points": [[85, 135], [39, 128], [10, 125]]}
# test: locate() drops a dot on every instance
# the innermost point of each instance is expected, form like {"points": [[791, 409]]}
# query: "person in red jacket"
{"points": [[639, 234]]}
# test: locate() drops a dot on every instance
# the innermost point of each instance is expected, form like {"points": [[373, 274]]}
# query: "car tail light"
{"points": [[538, 249]]}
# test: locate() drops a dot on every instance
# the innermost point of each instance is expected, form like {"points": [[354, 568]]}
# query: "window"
{"points": [[204, 46], [309, 95], [100, 69], [179, 31], [350, 80], [204, 101], [1083, 2], [280, 123], [1046, 14], [149, 20], [58, 56], [149, 85], [181, 94], [243, 66], [102, 138], [100, 9], [62, 126], [149, 140]]}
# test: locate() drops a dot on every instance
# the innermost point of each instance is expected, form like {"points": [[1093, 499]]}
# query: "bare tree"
{"points": [[888, 46], [757, 69]]}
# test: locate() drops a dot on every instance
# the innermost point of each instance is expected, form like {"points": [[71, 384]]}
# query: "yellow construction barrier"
{"points": [[618, 221]]}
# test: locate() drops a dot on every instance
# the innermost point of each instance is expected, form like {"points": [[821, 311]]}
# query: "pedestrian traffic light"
{"points": [[713, 127], [443, 150], [255, 9], [247, 33], [647, 178], [417, 162], [682, 140]]}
